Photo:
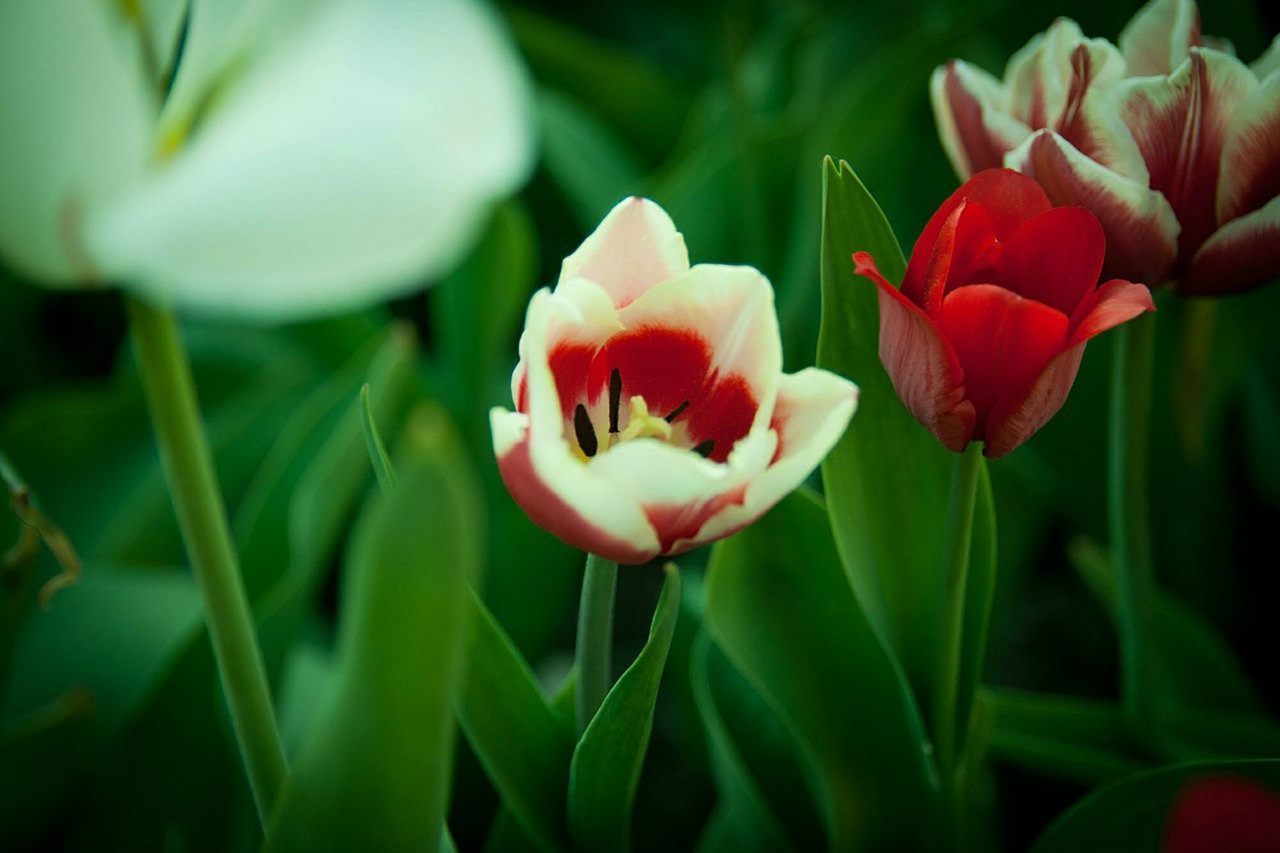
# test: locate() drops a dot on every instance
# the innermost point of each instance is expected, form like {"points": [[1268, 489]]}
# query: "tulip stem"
{"points": [[193, 486], [1129, 518], [594, 651], [957, 536]]}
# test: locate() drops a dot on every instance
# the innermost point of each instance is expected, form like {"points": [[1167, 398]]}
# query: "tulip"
{"points": [[277, 162], [651, 413], [1220, 813], [984, 339]]}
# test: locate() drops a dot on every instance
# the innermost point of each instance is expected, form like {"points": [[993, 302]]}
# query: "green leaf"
{"points": [[373, 441], [524, 746], [114, 634], [784, 614], [887, 479], [607, 761], [375, 774], [765, 801], [1084, 740], [1195, 666], [1129, 816]]}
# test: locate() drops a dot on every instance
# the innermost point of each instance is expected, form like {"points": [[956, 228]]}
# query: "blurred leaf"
{"points": [[1195, 666], [591, 166], [887, 479], [631, 94], [785, 616], [291, 522], [114, 634], [1084, 740], [1129, 816], [608, 759], [524, 746], [375, 772], [765, 801]]}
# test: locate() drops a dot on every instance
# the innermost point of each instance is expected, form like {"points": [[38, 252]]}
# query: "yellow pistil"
{"points": [[643, 424]]}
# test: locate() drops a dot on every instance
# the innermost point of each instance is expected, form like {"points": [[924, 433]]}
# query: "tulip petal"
{"points": [[974, 126], [1003, 343], [729, 384], [1180, 124], [1007, 197], [1250, 174], [1115, 302], [77, 117], [560, 497], [1241, 255], [1050, 79], [347, 165], [681, 491], [1039, 74], [1269, 63], [1054, 258], [812, 412], [634, 248], [1014, 419], [1157, 38], [923, 367], [1139, 224]]}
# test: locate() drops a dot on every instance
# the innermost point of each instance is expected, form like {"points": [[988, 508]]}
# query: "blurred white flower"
{"points": [[307, 158]]}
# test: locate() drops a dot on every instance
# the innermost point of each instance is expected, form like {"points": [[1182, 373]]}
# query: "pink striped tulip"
{"points": [[1173, 145], [651, 411]]}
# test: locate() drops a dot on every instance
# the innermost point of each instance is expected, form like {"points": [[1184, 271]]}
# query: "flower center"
{"points": [[641, 423]]}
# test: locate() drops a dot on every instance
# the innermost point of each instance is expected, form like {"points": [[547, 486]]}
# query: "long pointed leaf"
{"points": [[607, 762], [783, 612], [375, 774]]}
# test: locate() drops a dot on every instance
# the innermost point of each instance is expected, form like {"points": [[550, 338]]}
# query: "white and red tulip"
{"points": [[651, 411]]}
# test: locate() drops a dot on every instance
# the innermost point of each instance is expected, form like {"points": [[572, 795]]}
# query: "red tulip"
{"points": [[985, 337], [652, 414], [1223, 814]]}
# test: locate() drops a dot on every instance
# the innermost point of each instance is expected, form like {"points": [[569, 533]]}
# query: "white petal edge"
{"points": [[814, 408], [1156, 39], [633, 248], [350, 164], [1269, 62], [77, 119]]}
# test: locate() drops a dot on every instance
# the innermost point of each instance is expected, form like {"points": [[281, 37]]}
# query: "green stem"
{"points": [[957, 536], [1129, 515], [188, 467], [594, 650]]}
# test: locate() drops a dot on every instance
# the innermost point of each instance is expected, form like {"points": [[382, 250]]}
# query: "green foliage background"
{"points": [[111, 732]]}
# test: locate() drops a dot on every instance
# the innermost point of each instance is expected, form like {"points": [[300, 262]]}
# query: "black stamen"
{"points": [[677, 412], [585, 432], [615, 398], [704, 448]]}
